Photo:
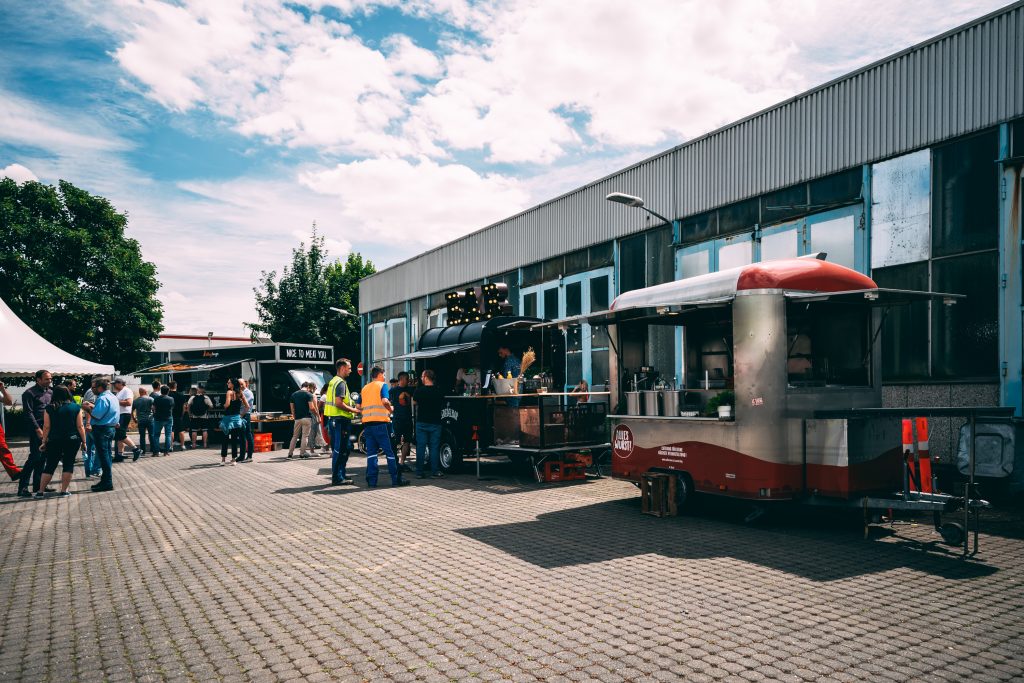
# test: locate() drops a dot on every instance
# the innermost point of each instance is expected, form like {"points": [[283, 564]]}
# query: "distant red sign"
{"points": [[359, 369]]}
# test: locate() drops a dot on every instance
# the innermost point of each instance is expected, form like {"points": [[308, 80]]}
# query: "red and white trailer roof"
{"points": [[807, 274]]}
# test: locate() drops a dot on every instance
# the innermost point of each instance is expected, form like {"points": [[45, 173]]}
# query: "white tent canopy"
{"points": [[22, 352]]}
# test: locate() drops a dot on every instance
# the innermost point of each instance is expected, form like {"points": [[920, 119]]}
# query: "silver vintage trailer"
{"points": [[792, 347]]}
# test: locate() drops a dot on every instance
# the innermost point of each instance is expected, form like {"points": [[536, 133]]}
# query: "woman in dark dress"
{"points": [[232, 424], [63, 436]]}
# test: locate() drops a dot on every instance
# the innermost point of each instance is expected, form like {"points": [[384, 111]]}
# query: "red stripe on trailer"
{"points": [[803, 274]]}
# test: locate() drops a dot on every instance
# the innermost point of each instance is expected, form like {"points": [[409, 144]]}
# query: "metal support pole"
{"points": [[969, 488], [477, 457]]}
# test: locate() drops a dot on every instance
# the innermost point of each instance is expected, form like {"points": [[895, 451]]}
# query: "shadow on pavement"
{"points": [[616, 530]]}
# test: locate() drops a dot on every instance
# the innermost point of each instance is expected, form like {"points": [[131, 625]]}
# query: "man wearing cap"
{"points": [[125, 398]]}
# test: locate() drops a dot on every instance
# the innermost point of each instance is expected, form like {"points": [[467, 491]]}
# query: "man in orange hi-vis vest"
{"points": [[376, 416]]}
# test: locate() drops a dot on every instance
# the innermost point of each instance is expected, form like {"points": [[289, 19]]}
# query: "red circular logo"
{"points": [[622, 441]]}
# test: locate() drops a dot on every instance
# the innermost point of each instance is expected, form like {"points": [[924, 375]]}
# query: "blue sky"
{"points": [[225, 129]]}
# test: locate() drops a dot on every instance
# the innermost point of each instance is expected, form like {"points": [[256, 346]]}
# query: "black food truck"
{"points": [[529, 419], [274, 371]]}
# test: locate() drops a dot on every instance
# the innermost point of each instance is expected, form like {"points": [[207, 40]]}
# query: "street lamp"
{"points": [[636, 203], [343, 311]]}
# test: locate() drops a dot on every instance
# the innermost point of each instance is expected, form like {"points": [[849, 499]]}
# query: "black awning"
{"points": [[437, 352]]}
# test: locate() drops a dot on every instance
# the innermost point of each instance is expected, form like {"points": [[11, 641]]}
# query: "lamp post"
{"points": [[638, 203], [343, 312]]}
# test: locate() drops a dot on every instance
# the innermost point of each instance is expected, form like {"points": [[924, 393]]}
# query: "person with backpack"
{"points": [[198, 407], [63, 436]]}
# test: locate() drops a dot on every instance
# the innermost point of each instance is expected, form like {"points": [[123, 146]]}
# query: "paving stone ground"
{"points": [[194, 572]]}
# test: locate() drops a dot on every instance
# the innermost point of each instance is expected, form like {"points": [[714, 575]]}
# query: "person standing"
{"points": [[428, 400], [6, 457], [89, 454], [103, 420], [231, 424], [198, 406], [142, 407], [125, 398], [339, 409], [63, 434], [248, 408], [179, 408], [163, 421], [376, 410], [401, 397], [34, 401], [72, 386], [303, 408]]}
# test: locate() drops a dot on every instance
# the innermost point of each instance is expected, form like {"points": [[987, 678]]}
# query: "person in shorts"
{"points": [[125, 398], [198, 408]]}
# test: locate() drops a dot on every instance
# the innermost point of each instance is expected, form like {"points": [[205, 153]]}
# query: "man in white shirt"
{"points": [[248, 441], [124, 397]]}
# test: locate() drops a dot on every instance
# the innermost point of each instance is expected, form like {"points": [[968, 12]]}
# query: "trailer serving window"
{"points": [[828, 344]]}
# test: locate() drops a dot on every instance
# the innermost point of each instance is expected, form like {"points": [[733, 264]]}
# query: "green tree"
{"points": [[296, 307], [68, 271]]}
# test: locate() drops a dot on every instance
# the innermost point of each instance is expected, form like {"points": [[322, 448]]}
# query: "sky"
{"points": [[226, 129]]}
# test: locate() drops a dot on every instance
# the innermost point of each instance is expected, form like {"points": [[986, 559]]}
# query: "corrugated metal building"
{"points": [[908, 170]]}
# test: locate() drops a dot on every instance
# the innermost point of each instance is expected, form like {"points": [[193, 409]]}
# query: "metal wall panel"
{"points": [[958, 83]]}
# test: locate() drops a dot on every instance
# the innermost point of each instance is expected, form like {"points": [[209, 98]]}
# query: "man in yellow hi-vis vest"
{"points": [[339, 411], [376, 412]]}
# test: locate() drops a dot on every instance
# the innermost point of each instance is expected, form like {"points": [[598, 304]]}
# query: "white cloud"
{"points": [[29, 124], [532, 81], [17, 173], [395, 201]]}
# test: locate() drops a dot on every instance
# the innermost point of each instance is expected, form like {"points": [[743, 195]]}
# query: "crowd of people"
{"points": [[64, 424]]}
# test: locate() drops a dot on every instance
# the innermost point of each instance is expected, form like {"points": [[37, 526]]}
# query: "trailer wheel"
{"points": [[451, 456], [684, 491], [952, 533]]}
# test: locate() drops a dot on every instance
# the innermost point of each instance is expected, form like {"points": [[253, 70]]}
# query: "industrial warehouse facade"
{"points": [[908, 170]]}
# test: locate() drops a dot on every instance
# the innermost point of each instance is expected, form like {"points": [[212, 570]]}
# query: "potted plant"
{"points": [[721, 405]]}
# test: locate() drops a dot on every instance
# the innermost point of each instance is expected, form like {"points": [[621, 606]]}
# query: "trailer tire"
{"points": [[450, 455], [952, 534], [684, 491]]}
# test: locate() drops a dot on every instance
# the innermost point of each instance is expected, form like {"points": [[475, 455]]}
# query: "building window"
{"points": [[904, 343], [577, 262], [553, 267], [533, 274], [659, 256], [963, 259], [530, 305], [632, 264], [965, 336], [699, 228], [784, 204], [738, 217], [966, 182], [602, 255]]}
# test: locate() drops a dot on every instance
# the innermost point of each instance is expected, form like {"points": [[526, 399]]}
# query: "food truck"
{"points": [[532, 419], [274, 372], [780, 392]]}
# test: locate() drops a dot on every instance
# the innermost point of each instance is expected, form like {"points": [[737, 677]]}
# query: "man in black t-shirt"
{"points": [[400, 396], [428, 400], [163, 420], [198, 406], [180, 400], [302, 407]]}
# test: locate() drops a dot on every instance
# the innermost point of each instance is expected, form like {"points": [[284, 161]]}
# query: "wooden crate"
{"points": [[658, 494]]}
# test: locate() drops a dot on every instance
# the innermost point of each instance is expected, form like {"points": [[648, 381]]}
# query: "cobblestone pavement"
{"points": [[190, 571]]}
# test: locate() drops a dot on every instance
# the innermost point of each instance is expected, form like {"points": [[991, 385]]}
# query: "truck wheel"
{"points": [[451, 456], [952, 533]]}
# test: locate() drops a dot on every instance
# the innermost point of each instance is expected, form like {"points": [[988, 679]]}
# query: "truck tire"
{"points": [[450, 454]]}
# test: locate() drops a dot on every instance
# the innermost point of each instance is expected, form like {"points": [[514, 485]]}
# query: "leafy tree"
{"points": [[296, 307], [68, 271]]}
